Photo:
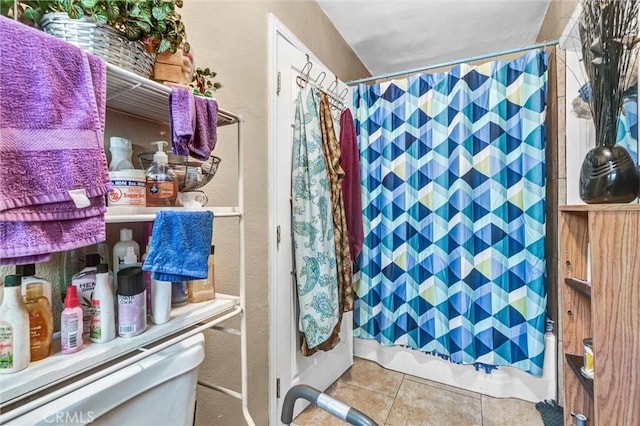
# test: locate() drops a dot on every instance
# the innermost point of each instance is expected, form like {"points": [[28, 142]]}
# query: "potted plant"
{"points": [[155, 25]]}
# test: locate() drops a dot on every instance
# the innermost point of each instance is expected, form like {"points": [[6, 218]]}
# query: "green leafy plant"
{"points": [[156, 23], [202, 82]]}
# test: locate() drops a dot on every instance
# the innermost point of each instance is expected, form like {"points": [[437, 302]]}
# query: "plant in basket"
{"points": [[125, 33]]}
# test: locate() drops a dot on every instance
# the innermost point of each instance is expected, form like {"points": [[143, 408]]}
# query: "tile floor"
{"points": [[392, 398]]}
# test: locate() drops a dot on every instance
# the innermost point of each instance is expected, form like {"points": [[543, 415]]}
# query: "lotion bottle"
{"points": [[120, 252], [103, 322], [162, 182], [85, 281], [14, 328], [71, 323], [40, 322]]}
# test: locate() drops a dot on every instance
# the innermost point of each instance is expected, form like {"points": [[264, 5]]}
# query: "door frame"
{"points": [[278, 29]]}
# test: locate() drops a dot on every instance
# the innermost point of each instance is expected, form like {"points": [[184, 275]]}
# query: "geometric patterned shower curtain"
{"points": [[453, 176]]}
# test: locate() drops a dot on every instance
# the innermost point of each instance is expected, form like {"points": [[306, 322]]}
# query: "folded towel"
{"points": [[20, 239], [182, 117], [180, 245], [63, 210], [52, 98], [205, 135], [25, 260]]}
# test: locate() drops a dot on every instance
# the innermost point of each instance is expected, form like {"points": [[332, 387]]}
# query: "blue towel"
{"points": [[180, 245]]}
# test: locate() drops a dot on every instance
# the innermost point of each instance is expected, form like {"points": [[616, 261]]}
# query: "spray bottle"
{"points": [[162, 182]]}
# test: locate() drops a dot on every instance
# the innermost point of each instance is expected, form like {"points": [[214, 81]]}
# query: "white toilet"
{"points": [[158, 390]]}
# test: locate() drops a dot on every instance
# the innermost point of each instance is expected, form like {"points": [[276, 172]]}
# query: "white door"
{"points": [[287, 366]]}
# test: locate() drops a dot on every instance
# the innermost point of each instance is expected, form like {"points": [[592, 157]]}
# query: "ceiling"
{"points": [[396, 35]]}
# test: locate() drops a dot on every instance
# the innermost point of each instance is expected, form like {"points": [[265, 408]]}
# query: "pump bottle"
{"points": [[162, 182], [71, 323]]}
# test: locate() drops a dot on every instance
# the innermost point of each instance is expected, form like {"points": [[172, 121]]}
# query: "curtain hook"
{"points": [[318, 81], [333, 87], [302, 79]]}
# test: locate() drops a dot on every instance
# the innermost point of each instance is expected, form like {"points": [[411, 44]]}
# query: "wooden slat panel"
{"points": [[616, 314], [576, 309]]}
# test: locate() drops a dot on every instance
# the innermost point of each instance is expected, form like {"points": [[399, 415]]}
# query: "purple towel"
{"points": [[20, 239], [53, 170], [182, 117], [205, 135], [63, 210], [25, 260], [52, 103]]}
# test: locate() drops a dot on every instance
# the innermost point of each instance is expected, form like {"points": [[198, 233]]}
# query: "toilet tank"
{"points": [[158, 390]]}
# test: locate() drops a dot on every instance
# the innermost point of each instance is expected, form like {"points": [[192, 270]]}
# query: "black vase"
{"points": [[608, 175]]}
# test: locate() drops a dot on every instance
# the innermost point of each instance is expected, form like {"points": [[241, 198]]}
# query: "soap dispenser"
{"points": [[162, 183]]}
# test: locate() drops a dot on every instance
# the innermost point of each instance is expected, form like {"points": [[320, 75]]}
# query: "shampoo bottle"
{"points": [[14, 328], [162, 182], [120, 251], [28, 273], [103, 322], [85, 282], [71, 323], [40, 322]]}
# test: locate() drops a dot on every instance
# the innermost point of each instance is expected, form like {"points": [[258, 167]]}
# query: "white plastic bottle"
{"points": [[15, 351], [71, 323], [160, 301], [147, 277], [28, 272], [120, 149], [162, 182], [103, 322], [85, 282], [120, 251]]}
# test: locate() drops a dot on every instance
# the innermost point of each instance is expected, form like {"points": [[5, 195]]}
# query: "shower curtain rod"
{"points": [[456, 62]]}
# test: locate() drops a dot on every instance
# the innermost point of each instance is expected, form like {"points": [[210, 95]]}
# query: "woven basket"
{"points": [[102, 41]]}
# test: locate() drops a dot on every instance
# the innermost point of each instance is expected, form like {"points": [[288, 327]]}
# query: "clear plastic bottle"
{"points": [[14, 328], [71, 323], [28, 272], [40, 321], [203, 290], [162, 182]]}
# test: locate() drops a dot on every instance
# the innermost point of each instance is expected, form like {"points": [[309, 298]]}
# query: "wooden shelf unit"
{"points": [[611, 315]]}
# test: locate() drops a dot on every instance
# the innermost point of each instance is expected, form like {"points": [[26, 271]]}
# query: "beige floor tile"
{"points": [[443, 386], [418, 404], [371, 376], [372, 404], [509, 411]]}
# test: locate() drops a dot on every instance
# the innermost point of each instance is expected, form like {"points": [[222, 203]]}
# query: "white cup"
{"points": [[192, 199]]}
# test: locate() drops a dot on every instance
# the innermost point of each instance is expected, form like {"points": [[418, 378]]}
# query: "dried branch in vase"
{"points": [[608, 35]]}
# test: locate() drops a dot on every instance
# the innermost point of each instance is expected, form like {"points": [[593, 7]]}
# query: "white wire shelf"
{"points": [[58, 367], [139, 97], [148, 214]]}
